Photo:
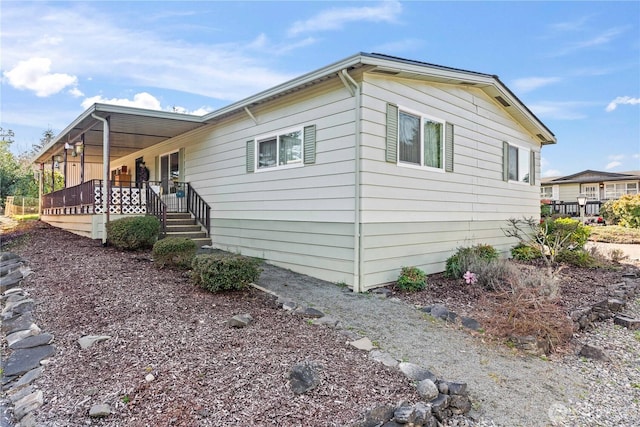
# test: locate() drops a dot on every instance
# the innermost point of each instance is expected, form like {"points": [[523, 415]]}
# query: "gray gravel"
{"points": [[507, 389]]}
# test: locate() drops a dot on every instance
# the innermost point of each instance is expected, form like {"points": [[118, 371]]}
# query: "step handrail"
{"points": [[157, 208], [199, 209]]}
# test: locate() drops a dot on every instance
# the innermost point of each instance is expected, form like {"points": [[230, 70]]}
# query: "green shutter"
{"points": [[251, 156], [505, 161], [532, 168], [309, 144], [448, 147], [392, 133]]}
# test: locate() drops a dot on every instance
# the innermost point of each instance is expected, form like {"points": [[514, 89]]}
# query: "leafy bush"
{"points": [[523, 252], [461, 262], [174, 252], [624, 212], [579, 258], [571, 232], [550, 236], [412, 279], [224, 272], [133, 233]]}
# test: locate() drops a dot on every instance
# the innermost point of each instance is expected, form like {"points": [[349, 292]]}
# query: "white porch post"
{"points": [[106, 187]]}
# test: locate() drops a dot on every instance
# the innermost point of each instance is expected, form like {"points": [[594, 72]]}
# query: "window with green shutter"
{"points": [[284, 149], [416, 139]]}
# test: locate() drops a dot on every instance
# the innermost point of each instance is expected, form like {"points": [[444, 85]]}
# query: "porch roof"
{"points": [[131, 129]]}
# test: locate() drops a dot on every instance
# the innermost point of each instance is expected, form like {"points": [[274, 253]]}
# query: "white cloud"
{"points": [[598, 40], [551, 173], [612, 165], [140, 100], [198, 112], [531, 83], [337, 18], [102, 48], [75, 92], [35, 75], [627, 100], [568, 110]]}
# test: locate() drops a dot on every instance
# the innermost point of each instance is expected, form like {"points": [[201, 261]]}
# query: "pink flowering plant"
{"points": [[470, 278]]}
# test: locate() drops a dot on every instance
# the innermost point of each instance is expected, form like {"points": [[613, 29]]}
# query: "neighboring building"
{"points": [[346, 173], [597, 186]]}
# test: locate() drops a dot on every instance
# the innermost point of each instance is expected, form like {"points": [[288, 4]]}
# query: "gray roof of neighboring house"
{"points": [[592, 176]]}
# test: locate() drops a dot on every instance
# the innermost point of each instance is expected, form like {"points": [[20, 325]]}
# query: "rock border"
{"points": [[28, 348], [443, 401]]}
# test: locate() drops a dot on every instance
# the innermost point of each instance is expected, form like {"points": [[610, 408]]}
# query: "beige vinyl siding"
{"points": [[319, 249], [91, 171], [426, 245], [419, 216], [568, 192], [299, 218]]}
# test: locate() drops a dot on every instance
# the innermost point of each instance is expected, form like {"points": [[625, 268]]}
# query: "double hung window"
{"points": [[420, 140]]}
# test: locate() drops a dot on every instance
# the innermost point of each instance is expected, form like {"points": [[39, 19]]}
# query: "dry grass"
{"points": [[615, 234]]}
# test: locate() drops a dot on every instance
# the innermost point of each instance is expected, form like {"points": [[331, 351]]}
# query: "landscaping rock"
{"points": [[326, 321], [21, 361], [626, 321], [593, 352], [427, 389], [377, 416], [28, 404], [240, 320], [304, 377], [308, 312], [17, 323], [100, 411], [89, 340], [20, 335], [415, 372], [470, 323], [362, 344], [385, 358], [33, 341]]}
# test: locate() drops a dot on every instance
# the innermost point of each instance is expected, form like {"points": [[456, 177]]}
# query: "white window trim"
{"points": [[422, 116], [277, 135], [528, 151]]}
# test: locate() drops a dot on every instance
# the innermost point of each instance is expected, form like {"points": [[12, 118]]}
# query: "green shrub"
{"points": [[174, 252], [571, 232], [412, 279], [545, 210], [579, 258], [133, 233], [624, 212], [224, 272], [524, 252], [460, 262]]}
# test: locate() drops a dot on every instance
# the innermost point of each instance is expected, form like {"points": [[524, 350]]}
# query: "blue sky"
{"points": [[576, 65]]}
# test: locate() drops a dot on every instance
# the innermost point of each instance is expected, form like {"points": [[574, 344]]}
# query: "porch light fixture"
{"points": [[582, 201], [57, 158], [79, 148]]}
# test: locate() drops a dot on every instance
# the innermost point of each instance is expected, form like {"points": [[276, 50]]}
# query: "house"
{"points": [[346, 173], [598, 187]]}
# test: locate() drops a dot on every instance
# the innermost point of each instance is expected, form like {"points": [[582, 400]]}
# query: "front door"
{"points": [[169, 171]]}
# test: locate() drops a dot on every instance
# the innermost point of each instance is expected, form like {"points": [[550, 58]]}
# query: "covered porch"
{"points": [[101, 155]]}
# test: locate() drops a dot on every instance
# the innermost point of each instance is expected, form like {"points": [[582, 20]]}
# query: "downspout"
{"points": [[106, 187], [357, 237]]}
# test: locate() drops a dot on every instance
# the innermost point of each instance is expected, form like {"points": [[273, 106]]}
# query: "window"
{"points": [[519, 164], [618, 189], [546, 193], [591, 191], [420, 140], [284, 149], [280, 150]]}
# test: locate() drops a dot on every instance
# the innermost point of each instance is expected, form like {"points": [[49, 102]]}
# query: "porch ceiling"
{"points": [[130, 130]]}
